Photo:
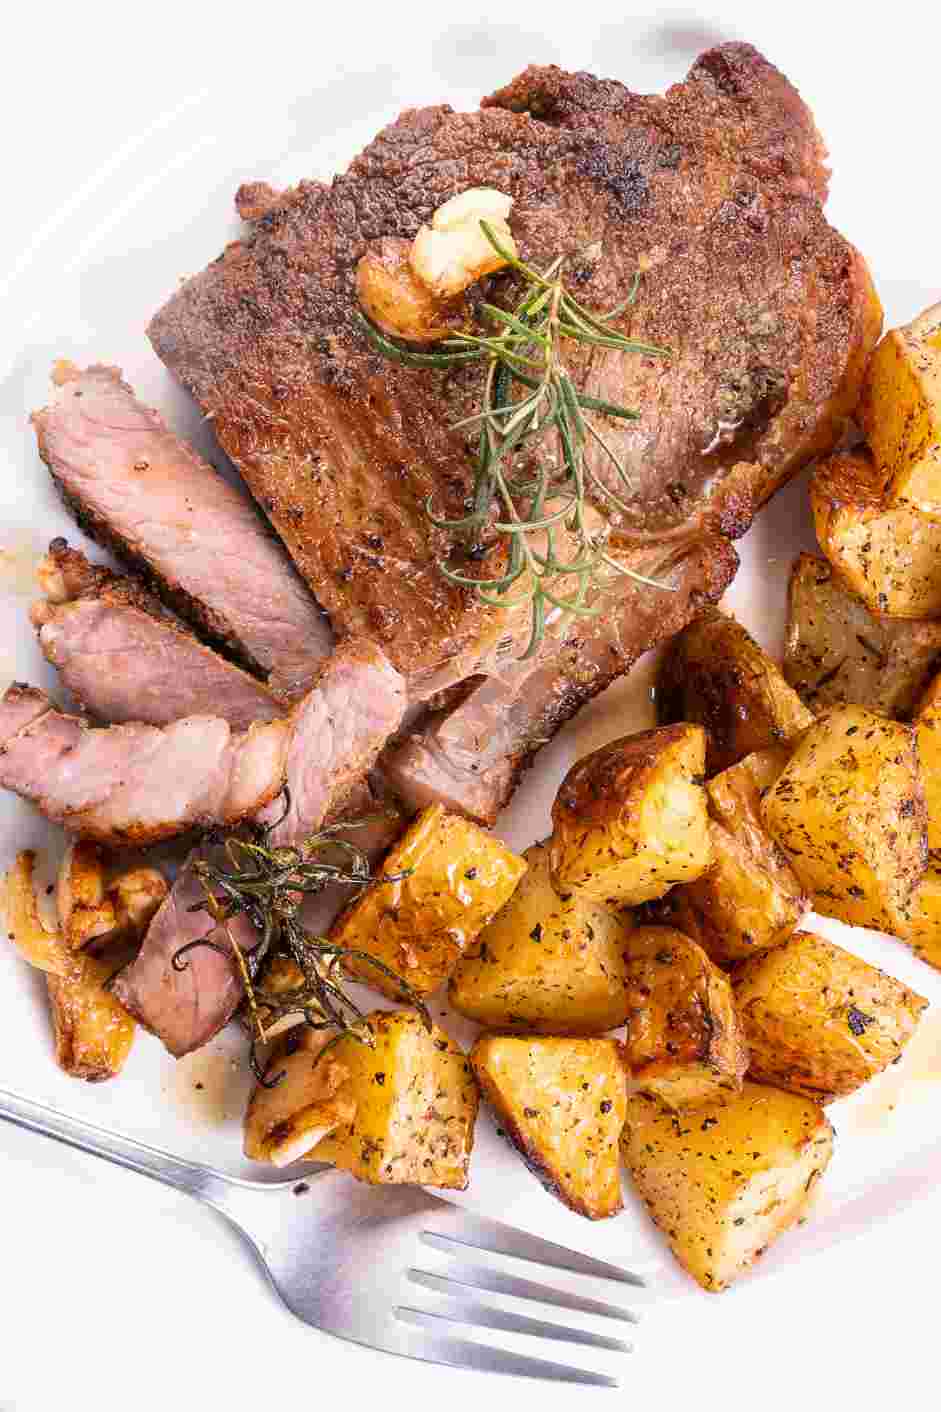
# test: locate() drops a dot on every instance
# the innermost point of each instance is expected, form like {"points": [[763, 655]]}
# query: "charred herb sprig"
{"points": [[529, 397], [268, 885]]}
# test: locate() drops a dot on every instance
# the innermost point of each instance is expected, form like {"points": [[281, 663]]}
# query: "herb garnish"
{"points": [[529, 396], [268, 885]]}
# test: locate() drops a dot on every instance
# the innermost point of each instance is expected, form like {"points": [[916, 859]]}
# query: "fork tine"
{"points": [[461, 1353], [470, 1311], [477, 1277], [504, 1240]]}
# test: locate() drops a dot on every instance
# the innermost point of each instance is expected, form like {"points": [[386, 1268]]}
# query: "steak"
{"points": [[714, 190], [343, 725], [469, 758], [124, 658], [195, 539]]}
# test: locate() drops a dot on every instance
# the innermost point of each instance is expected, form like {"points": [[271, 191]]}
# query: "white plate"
{"points": [[159, 208]]}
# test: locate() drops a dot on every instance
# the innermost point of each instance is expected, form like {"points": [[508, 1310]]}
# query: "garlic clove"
{"points": [[480, 203]]}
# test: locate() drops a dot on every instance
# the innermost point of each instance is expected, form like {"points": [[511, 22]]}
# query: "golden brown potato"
{"points": [[725, 1181], [95, 907], [312, 1099], [459, 876], [545, 965], [889, 555], [684, 1040], [923, 930], [900, 412], [629, 820], [928, 736], [744, 907], [837, 652], [93, 1034], [820, 1021], [416, 1106], [562, 1103], [714, 673], [735, 802], [849, 811]]}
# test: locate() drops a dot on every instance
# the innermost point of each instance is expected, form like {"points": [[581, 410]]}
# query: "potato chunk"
{"points": [[97, 908], [416, 1106], [900, 412], [928, 736], [836, 651], [889, 556], [923, 930], [849, 811], [819, 1020], [723, 1182], [545, 964], [629, 821], [562, 1102], [458, 877], [684, 1040], [312, 1099], [715, 674]]}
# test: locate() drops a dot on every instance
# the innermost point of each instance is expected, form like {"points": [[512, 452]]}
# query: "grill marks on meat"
{"points": [[471, 757], [140, 490], [339, 729], [125, 659], [715, 189]]}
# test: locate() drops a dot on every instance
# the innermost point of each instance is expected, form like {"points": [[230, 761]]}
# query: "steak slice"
{"points": [[470, 758], [714, 189], [124, 658], [199, 543], [344, 722]]}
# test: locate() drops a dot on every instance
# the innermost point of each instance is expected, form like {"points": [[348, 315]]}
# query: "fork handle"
{"points": [[188, 1177]]}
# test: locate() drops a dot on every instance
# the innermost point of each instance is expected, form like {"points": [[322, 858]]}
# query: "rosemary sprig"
{"points": [[530, 399], [268, 885]]}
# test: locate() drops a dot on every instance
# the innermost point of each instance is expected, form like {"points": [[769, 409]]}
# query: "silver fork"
{"points": [[349, 1259]]}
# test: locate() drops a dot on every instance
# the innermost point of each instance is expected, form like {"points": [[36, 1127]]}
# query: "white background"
{"points": [[114, 1292]]}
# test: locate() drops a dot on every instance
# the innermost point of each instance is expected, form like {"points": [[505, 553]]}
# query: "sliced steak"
{"points": [[199, 543], [715, 190], [343, 724], [124, 658], [135, 784], [470, 758]]}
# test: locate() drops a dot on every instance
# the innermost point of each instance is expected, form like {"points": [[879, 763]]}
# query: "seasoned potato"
{"points": [[723, 1182], [836, 651], [889, 556], [714, 673], [562, 1102], [313, 1097], [743, 906], [819, 1020], [849, 811], [458, 877], [923, 929], [735, 802], [96, 909], [545, 964], [684, 1041], [928, 736], [416, 1106], [900, 412], [629, 820], [93, 1034]]}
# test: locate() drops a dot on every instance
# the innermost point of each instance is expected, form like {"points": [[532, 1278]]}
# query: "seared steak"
{"points": [[125, 658], [140, 490], [470, 758], [343, 724], [714, 190]]}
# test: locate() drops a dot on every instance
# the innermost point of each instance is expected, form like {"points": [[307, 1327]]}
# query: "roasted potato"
{"points": [[545, 964], [735, 798], [820, 1021], [923, 929], [313, 1097], [456, 877], [836, 651], [723, 1182], [93, 1034], [849, 811], [715, 674], [562, 1102], [889, 556], [629, 820], [684, 1042], [900, 412], [95, 908], [928, 736], [416, 1106]]}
